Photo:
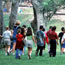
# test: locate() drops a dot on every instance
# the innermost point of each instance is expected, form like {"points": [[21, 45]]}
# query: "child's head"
{"points": [[19, 31], [17, 23], [41, 27], [29, 31], [50, 27], [11, 31], [62, 29], [53, 28], [7, 28]]}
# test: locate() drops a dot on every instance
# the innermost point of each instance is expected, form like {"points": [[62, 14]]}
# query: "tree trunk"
{"points": [[1, 20], [39, 12], [34, 22], [13, 15], [8, 5]]}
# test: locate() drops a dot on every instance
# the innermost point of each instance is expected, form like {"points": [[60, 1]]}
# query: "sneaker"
{"points": [[13, 54], [22, 53], [19, 57], [5, 54], [8, 53], [29, 57]]}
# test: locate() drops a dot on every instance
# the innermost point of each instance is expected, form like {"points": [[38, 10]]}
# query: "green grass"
{"points": [[44, 60]]}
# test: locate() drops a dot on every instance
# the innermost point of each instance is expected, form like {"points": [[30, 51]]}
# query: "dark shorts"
{"points": [[14, 40], [63, 45]]}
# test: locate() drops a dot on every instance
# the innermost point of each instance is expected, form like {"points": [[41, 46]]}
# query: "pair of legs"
{"points": [[7, 49], [29, 52], [63, 48], [24, 49], [13, 50], [18, 53], [52, 48], [7, 46], [41, 50]]}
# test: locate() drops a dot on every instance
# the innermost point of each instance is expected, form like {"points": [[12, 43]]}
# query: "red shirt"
{"points": [[19, 41], [48, 33], [53, 35], [46, 41], [19, 37]]}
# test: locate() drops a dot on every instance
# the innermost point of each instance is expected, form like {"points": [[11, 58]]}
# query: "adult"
{"points": [[40, 43], [53, 42]]}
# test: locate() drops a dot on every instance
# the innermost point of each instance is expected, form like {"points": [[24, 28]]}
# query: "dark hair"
{"points": [[50, 27], [19, 31], [24, 26], [53, 28], [22, 31], [62, 29], [7, 28], [29, 31], [41, 27]]}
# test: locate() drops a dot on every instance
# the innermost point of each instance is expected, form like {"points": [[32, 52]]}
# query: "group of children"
{"points": [[20, 37]]}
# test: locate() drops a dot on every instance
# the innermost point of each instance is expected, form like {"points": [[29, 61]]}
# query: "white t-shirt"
{"points": [[6, 34], [63, 37]]}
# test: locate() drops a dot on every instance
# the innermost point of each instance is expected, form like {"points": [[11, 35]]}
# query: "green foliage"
{"points": [[49, 5]]}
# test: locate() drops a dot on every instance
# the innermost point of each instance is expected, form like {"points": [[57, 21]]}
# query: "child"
{"points": [[19, 44], [11, 47], [29, 44], [60, 37], [63, 42], [6, 36]]}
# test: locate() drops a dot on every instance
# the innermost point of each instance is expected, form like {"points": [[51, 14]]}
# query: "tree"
{"points": [[8, 5], [13, 15], [38, 13], [1, 20]]}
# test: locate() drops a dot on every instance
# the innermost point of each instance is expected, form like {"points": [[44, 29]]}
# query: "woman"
{"points": [[29, 42]]}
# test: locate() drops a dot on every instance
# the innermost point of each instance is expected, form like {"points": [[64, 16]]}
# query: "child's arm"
{"points": [[1, 36], [62, 41], [34, 40]]}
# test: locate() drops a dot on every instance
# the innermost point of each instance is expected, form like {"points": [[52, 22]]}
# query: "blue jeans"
{"points": [[18, 53]]}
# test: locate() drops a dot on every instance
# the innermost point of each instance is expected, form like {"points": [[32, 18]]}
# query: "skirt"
{"points": [[29, 43]]}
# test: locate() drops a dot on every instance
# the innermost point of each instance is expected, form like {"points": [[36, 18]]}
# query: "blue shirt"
{"points": [[40, 36]]}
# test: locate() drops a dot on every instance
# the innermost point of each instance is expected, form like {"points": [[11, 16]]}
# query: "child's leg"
{"points": [[14, 45], [8, 48], [29, 52], [5, 50], [20, 53], [17, 56]]}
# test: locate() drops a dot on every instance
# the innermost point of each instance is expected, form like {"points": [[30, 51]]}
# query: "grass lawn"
{"points": [[43, 60]]}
